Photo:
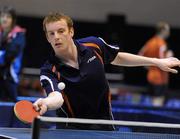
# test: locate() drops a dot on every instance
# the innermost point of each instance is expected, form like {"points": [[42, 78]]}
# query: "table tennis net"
{"points": [[123, 129]]}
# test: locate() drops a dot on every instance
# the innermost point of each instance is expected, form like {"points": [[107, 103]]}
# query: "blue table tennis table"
{"points": [[25, 133]]}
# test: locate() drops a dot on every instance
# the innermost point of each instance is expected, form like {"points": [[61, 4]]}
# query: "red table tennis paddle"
{"points": [[25, 112]]}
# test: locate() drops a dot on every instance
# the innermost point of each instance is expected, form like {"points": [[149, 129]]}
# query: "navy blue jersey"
{"points": [[86, 94]]}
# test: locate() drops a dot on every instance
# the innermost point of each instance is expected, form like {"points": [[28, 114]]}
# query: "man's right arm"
{"points": [[52, 102], [49, 82]]}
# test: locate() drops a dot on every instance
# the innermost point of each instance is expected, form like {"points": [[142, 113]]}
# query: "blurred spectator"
{"points": [[157, 47], [12, 43]]}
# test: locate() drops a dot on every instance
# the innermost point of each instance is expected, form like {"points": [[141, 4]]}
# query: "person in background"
{"points": [[12, 43], [156, 47], [74, 76]]}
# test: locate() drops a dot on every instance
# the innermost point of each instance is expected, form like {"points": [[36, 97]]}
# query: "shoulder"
{"points": [[47, 66], [17, 33], [91, 39], [88, 39], [161, 42], [49, 69], [96, 42], [152, 42], [17, 30]]}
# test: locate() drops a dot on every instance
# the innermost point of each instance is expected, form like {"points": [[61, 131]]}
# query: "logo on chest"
{"points": [[91, 59]]}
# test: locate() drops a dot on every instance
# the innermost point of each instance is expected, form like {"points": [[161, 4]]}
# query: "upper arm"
{"points": [[116, 59]]}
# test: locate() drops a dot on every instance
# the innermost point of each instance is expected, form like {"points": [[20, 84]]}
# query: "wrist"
{"points": [[154, 61], [54, 101], [47, 103]]}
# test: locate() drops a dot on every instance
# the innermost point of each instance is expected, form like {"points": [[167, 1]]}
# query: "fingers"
{"points": [[40, 106], [37, 104], [43, 109], [173, 62], [172, 70]]}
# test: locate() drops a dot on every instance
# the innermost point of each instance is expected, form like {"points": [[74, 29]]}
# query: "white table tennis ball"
{"points": [[61, 85]]}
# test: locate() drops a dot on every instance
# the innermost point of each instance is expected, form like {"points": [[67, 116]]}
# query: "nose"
{"points": [[56, 35]]}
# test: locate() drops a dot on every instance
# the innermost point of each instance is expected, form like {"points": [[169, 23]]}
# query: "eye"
{"points": [[61, 31], [9, 16], [50, 33]]}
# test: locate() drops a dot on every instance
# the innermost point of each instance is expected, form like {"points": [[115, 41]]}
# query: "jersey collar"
{"points": [[80, 49]]}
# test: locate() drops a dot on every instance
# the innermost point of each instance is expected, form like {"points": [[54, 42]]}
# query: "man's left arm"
{"points": [[131, 60]]}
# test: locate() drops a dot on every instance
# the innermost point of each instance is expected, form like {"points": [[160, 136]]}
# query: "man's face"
{"points": [[6, 20], [59, 35]]}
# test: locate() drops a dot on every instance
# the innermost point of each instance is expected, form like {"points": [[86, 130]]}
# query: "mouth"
{"points": [[57, 45]]}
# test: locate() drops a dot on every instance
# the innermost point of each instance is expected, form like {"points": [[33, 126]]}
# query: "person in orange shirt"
{"points": [[157, 47]]}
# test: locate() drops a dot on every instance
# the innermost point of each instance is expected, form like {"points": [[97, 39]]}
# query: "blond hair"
{"points": [[55, 16]]}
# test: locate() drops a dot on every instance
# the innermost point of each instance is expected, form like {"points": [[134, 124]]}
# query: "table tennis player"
{"points": [[79, 64]]}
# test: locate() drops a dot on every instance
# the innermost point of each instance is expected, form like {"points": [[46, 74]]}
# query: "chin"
{"points": [[5, 26]]}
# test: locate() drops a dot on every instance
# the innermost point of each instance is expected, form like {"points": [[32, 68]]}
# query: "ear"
{"points": [[71, 31], [47, 38]]}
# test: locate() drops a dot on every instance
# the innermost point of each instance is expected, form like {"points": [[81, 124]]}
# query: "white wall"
{"points": [[138, 11]]}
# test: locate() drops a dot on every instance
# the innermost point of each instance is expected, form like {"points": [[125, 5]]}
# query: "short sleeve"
{"points": [[108, 52], [49, 80]]}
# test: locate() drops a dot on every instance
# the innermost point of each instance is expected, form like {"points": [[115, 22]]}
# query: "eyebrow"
{"points": [[57, 29]]}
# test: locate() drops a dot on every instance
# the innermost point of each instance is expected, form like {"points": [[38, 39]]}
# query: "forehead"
{"points": [[52, 26], [5, 15]]}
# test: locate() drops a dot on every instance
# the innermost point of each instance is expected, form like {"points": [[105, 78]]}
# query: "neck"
{"points": [[70, 55], [6, 30], [161, 36]]}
